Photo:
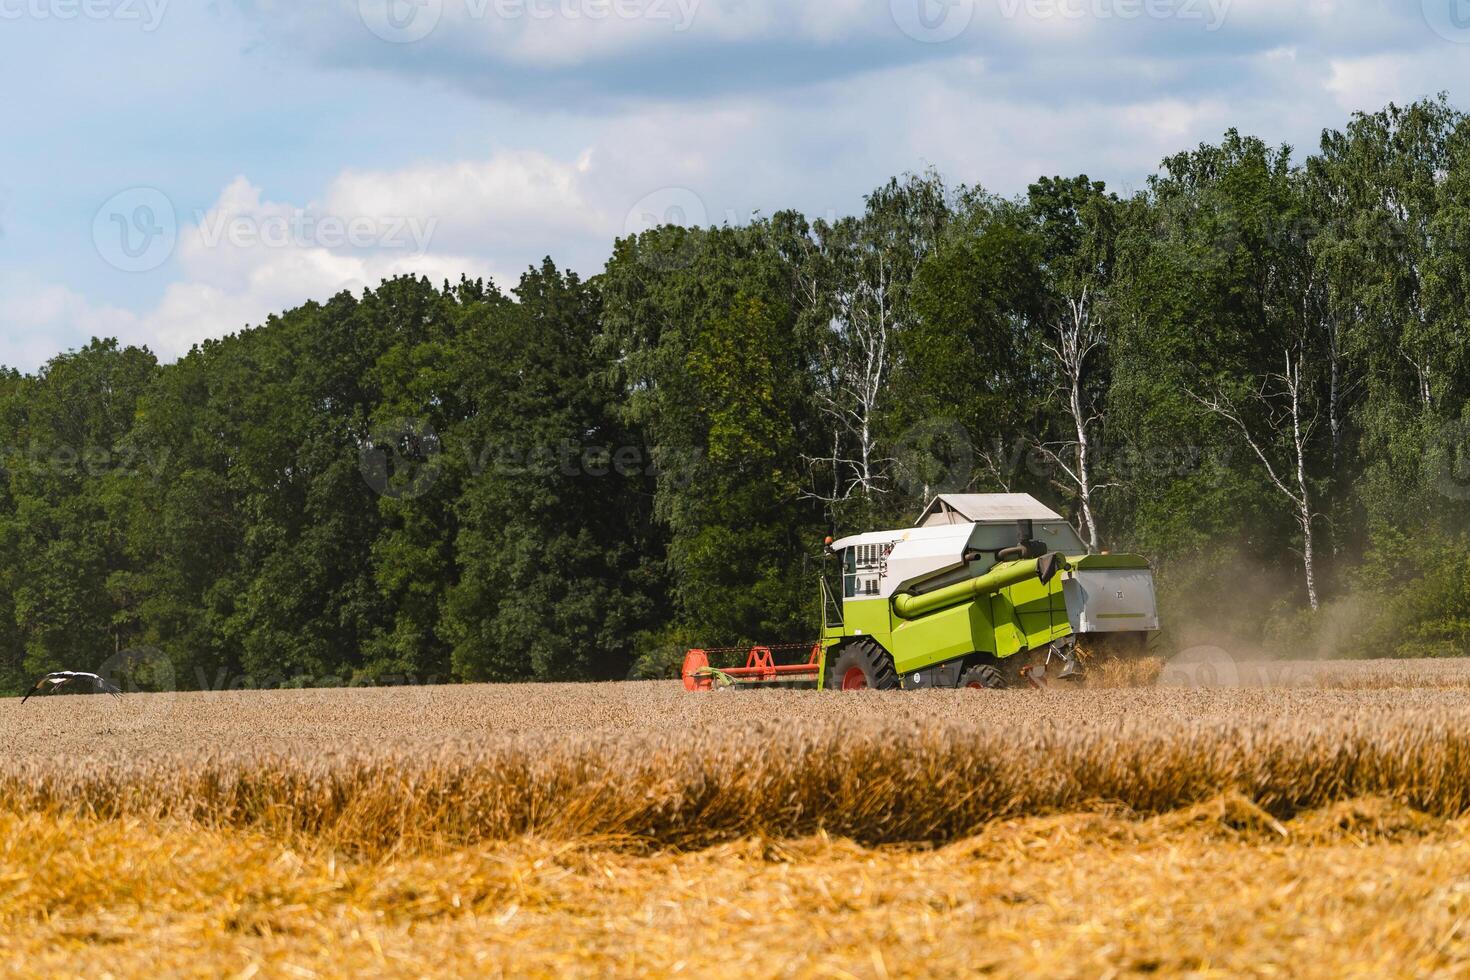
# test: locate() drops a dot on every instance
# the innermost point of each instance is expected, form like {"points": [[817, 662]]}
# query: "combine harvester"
{"points": [[987, 591]]}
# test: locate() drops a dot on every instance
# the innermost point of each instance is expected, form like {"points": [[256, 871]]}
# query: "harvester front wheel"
{"points": [[861, 667], [982, 677]]}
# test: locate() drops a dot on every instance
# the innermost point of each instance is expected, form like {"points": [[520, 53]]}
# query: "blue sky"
{"points": [[172, 171]]}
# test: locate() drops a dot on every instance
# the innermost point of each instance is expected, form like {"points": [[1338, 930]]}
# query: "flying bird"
{"points": [[61, 678]]}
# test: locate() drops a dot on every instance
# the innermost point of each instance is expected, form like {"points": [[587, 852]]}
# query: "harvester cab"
{"points": [[986, 591]]}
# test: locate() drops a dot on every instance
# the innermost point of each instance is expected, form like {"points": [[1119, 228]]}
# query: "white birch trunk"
{"points": [[1079, 335], [1291, 426]]}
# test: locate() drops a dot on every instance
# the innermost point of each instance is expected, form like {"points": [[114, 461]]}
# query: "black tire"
{"points": [[983, 677], [861, 666]]}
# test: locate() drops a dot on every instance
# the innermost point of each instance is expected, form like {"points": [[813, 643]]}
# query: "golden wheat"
{"points": [[1367, 889], [1311, 819], [398, 771]]}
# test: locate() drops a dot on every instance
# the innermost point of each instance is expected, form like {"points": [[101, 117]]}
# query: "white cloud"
{"points": [[248, 256], [495, 203], [760, 105], [558, 34], [570, 32], [40, 322], [1371, 81], [242, 260]]}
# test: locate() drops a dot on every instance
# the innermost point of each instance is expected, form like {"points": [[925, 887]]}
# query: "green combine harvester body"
{"points": [[988, 590], [1011, 612]]}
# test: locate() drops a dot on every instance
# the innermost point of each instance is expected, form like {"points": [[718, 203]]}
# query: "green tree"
{"points": [[716, 360], [866, 267], [971, 358], [556, 552], [65, 538], [1077, 223]]}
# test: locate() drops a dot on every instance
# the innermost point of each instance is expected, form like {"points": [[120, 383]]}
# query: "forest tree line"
{"points": [[1252, 371]]}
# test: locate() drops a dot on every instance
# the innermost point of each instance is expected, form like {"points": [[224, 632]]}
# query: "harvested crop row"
{"points": [[680, 772], [1356, 889]]}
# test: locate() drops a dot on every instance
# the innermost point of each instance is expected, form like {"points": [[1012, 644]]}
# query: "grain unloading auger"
{"points": [[988, 591]]}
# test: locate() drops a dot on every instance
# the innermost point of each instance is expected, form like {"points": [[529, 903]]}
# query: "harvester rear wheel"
{"points": [[982, 677], [861, 667]]}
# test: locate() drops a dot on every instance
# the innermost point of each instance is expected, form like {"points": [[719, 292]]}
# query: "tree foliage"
{"points": [[1253, 371]]}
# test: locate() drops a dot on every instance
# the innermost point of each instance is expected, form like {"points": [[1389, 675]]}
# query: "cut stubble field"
{"points": [[1317, 826]]}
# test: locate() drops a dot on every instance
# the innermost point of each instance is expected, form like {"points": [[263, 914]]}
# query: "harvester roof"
{"points": [[881, 563], [985, 508]]}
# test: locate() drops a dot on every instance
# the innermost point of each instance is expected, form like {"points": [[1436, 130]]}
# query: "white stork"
{"points": [[61, 678]]}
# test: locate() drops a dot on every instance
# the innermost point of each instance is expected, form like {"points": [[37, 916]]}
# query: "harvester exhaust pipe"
{"points": [[1026, 544]]}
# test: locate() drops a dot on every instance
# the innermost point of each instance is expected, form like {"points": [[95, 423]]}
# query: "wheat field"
{"points": [[1301, 817]]}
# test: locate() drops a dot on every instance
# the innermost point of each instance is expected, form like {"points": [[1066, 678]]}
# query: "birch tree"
{"points": [[1274, 420], [869, 265], [1078, 339], [855, 382], [1077, 225]]}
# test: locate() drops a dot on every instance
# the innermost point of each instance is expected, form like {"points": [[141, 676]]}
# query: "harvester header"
{"points": [[986, 591]]}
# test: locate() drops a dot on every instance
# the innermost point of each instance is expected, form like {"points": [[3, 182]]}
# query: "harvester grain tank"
{"points": [[987, 590]]}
